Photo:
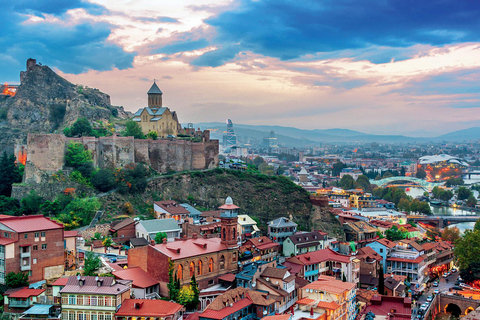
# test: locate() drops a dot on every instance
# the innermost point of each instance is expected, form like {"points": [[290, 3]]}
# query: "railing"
{"points": [[26, 268], [25, 254], [152, 295], [18, 303]]}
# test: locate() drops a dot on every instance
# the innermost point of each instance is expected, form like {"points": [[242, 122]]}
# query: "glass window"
{"points": [[35, 247], [25, 235], [44, 246], [93, 301], [71, 315], [71, 299], [43, 233], [37, 234]]}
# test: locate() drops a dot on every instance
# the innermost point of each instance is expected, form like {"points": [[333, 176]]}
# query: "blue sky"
{"points": [[376, 66]]}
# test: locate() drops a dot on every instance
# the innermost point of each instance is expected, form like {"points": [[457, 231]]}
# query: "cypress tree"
{"points": [[381, 281]]}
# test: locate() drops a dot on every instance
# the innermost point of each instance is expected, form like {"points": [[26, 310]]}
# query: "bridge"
{"points": [[474, 171], [457, 305], [406, 181], [442, 221]]}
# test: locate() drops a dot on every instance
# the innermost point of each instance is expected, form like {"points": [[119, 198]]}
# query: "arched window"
{"points": [[210, 265], [222, 262], [192, 269], [200, 267], [224, 234], [234, 236], [180, 272]]}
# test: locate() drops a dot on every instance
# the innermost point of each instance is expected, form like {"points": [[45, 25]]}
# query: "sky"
{"points": [[376, 66]]}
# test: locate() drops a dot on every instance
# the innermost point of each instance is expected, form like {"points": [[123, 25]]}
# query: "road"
{"points": [[443, 286]]}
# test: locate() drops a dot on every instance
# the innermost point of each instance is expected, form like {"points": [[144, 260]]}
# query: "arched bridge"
{"points": [[406, 181], [456, 304], [442, 221]]}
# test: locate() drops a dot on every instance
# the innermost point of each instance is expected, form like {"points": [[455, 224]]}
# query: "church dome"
{"points": [[228, 200]]}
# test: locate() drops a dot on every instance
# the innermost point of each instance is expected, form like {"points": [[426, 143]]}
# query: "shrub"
{"points": [[103, 180]]}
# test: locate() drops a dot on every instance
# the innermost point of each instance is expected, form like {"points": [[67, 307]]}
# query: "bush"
{"points": [[31, 203], [132, 179], [82, 127], [77, 155], [103, 180]]}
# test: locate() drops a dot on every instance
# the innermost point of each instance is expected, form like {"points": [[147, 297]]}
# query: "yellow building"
{"points": [[155, 117]]}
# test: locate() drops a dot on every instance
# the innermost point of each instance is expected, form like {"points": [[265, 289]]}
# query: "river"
{"points": [[445, 211]]}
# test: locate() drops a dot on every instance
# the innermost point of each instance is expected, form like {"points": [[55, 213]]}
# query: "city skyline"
{"points": [[396, 67]]}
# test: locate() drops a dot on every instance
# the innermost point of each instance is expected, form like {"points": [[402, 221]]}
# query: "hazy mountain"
{"points": [[461, 135]]}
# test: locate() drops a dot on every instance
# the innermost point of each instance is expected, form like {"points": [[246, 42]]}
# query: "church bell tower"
{"points": [[229, 223], [155, 96]]}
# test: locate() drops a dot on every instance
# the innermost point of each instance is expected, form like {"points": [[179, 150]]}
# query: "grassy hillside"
{"points": [[263, 197]]}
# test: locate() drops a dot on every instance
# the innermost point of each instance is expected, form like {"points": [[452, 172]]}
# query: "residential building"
{"points": [[194, 214], [359, 232], [155, 117], [394, 285], [281, 286], [267, 248], [330, 297], [370, 264], [122, 230], [406, 259], [32, 244], [239, 303], [71, 257], [250, 272], [206, 258], [41, 312], [94, 298], [57, 286], [19, 300], [353, 172], [247, 227], [148, 229], [302, 243], [149, 309], [389, 308], [383, 247], [281, 228], [143, 285], [170, 209]]}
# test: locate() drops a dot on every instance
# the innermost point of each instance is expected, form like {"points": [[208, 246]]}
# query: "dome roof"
{"points": [[228, 200]]}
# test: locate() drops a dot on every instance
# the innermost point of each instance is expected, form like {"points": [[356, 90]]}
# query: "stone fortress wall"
{"points": [[46, 153]]}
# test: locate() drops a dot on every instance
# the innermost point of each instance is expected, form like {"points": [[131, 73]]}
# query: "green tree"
{"points": [[9, 206], [92, 264], [152, 135], [404, 205], [451, 234], [337, 168], [420, 174], [160, 236], [132, 179], [16, 279], [77, 155], [81, 128], [477, 225], [265, 168], [103, 180], [394, 234], [381, 281], [196, 292], [364, 182], [107, 242], [31, 204], [467, 249], [471, 201], [344, 279], [387, 174], [463, 193], [346, 182], [185, 296], [380, 235], [454, 182], [79, 212], [9, 174], [445, 195], [258, 161], [171, 285], [133, 129]]}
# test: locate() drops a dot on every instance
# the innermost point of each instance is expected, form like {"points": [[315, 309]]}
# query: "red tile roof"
{"points": [[148, 308], [332, 305], [322, 255], [330, 284], [306, 301], [26, 293], [383, 306], [278, 317], [180, 249], [60, 282], [229, 277], [30, 223], [387, 243], [417, 260], [140, 278], [367, 252], [226, 311], [171, 207], [70, 234], [5, 241]]}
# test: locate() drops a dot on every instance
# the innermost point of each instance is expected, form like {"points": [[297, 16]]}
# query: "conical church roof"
{"points": [[154, 89]]}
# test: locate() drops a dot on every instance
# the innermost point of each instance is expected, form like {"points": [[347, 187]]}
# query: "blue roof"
{"points": [[192, 210], [154, 89], [39, 309], [139, 112], [37, 285]]}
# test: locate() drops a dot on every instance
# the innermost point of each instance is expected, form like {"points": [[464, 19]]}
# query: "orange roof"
{"points": [[418, 260], [148, 308], [387, 243], [332, 305], [60, 282], [140, 278], [30, 223], [278, 317], [70, 234], [306, 301], [330, 284], [322, 255]]}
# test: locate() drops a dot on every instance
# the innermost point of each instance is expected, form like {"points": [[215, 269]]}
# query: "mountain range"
{"points": [[290, 136]]}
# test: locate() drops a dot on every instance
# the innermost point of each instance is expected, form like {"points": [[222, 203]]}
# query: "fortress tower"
{"points": [[229, 223], [155, 96]]}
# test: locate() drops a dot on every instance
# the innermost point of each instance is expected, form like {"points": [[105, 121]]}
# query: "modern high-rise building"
{"points": [[230, 139]]}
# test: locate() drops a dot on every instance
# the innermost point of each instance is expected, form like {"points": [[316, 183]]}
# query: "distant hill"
{"points": [[461, 135]]}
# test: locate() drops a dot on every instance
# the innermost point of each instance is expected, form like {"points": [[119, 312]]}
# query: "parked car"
{"points": [[453, 270], [445, 275], [430, 299], [435, 283], [456, 288], [437, 291]]}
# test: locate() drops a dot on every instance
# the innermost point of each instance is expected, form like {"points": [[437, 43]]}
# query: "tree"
{"points": [[77, 155], [420, 174], [394, 234], [344, 279], [467, 249], [404, 205], [381, 281], [81, 127], [103, 180], [9, 174], [380, 235], [471, 201], [152, 135], [364, 182], [346, 182], [31, 204], [337, 168], [445, 195], [92, 264], [160, 236], [132, 179], [196, 292], [9, 206], [463, 193], [171, 285], [387, 174], [16, 279], [451, 234], [186, 296], [454, 182], [258, 161], [107, 242], [133, 129]]}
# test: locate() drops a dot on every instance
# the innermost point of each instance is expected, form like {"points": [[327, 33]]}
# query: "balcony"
{"points": [[13, 303], [311, 273], [27, 267], [267, 256], [25, 254]]}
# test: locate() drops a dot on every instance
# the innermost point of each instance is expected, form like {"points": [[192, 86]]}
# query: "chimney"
{"points": [[164, 240], [194, 236]]}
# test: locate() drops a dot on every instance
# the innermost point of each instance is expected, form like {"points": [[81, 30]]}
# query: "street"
{"points": [[443, 286]]}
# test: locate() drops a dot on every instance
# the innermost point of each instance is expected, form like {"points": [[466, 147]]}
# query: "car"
{"points": [[453, 270], [170, 136], [445, 275], [456, 288], [435, 283], [437, 291], [430, 299], [457, 283], [460, 279]]}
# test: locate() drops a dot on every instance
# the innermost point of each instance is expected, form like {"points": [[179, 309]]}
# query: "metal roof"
{"points": [[39, 309], [160, 225], [154, 89]]}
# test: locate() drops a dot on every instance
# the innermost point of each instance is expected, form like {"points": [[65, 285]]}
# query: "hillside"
{"points": [[46, 103], [264, 197]]}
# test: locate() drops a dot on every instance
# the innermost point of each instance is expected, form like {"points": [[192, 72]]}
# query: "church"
{"points": [[156, 117]]}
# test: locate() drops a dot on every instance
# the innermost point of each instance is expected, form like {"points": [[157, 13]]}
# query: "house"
{"points": [[250, 272], [41, 311], [385, 204], [281, 228], [327, 262], [122, 230], [86, 297], [406, 259], [370, 263], [57, 286], [303, 242], [194, 214], [281, 286], [359, 232], [394, 285], [143, 285], [330, 297], [149, 228], [149, 309], [239, 303], [32, 244], [267, 249], [383, 247], [170, 209], [206, 258], [389, 308], [139, 242], [247, 227], [19, 300], [70, 240]]}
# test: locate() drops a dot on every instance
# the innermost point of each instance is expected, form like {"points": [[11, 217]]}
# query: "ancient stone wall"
{"points": [[46, 154]]}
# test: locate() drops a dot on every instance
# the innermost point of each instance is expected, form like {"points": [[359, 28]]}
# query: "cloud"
{"points": [[216, 58], [181, 46], [72, 46], [289, 29]]}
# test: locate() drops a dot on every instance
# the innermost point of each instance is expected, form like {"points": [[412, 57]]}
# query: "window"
{"points": [[35, 247], [222, 262], [71, 315], [93, 316], [381, 250], [210, 265], [81, 316], [72, 300], [180, 272], [30, 273], [6, 235], [93, 301], [25, 235], [192, 269], [34, 260], [44, 246], [200, 267], [234, 256], [43, 233], [37, 234]]}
